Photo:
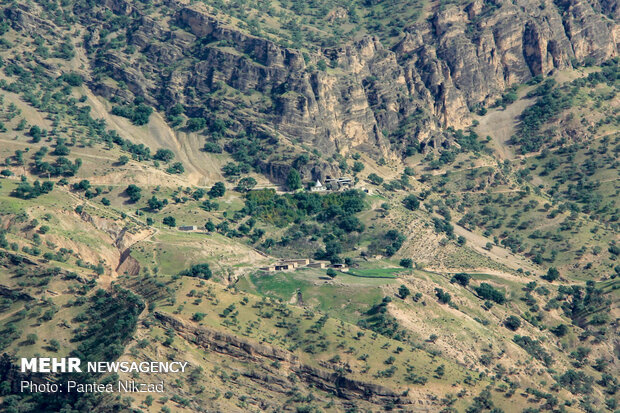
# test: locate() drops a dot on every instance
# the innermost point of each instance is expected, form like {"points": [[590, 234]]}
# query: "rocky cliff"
{"points": [[476, 51], [460, 56], [369, 98]]}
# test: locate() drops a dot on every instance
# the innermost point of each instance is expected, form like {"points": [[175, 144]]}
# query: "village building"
{"points": [[340, 267], [188, 228], [318, 187], [339, 184], [293, 264]]}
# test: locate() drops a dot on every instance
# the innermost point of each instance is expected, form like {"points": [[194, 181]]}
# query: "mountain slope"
{"points": [[466, 260]]}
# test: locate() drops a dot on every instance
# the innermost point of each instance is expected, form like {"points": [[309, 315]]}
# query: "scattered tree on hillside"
{"points": [[403, 291], [442, 296], [552, 274], [170, 221], [461, 278], [246, 184], [198, 271], [406, 262], [164, 155], [293, 180], [217, 190], [513, 323], [134, 192], [411, 202]]}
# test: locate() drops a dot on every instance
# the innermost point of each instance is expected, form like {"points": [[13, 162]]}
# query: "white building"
{"points": [[318, 187]]}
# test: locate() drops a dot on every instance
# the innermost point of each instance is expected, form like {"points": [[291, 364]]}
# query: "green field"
{"points": [[345, 297]]}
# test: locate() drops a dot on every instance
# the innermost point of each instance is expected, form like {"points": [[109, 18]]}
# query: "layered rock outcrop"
{"points": [[248, 350]]}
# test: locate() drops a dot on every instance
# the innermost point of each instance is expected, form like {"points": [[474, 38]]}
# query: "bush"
{"points": [[411, 202], [139, 114], [170, 221], [36, 133], [552, 274], [443, 296], [176, 168], [198, 317], [31, 339], [217, 190], [73, 79], [209, 206], [533, 348], [27, 191], [357, 166], [331, 273], [461, 278], [196, 124], [198, 271], [246, 184], [210, 226], [487, 292], [164, 155], [513, 323], [293, 180], [375, 179], [155, 204], [83, 185], [395, 240], [577, 382], [406, 263], [134, 192], [560, 330], [403, 291], [212, 147], [61, 149]]}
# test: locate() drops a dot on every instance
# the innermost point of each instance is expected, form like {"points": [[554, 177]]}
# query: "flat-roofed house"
{"points": [[340, 267], [188, 228]]}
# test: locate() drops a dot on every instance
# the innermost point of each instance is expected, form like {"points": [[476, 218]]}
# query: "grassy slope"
{"points": [[464, 334]]}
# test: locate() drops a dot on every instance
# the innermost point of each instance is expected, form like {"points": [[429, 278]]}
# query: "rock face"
{"points": [[331, 111], [469, 55], [370, 98], [460, 57], [247, 350]]}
